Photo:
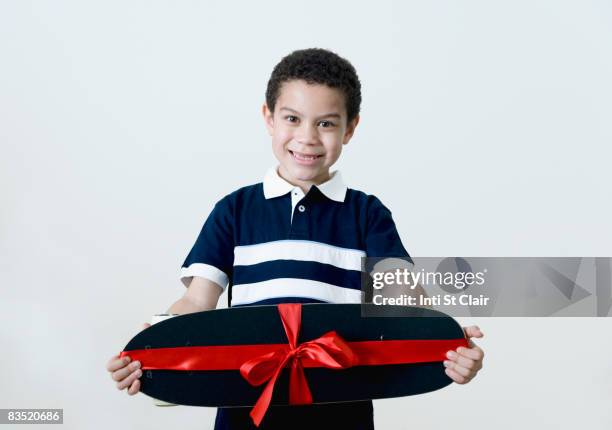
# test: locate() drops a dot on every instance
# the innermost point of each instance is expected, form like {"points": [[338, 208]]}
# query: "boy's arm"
{"points": [[201, 295]]}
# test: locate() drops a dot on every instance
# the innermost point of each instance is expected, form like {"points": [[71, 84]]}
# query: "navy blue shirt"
{"points": [[271, 243]]}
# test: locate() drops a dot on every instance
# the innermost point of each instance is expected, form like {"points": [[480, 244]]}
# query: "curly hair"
{"points": [[317, 66]]}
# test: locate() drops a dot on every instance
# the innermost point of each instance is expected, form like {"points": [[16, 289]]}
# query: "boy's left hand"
{"points": [[463, 364]]}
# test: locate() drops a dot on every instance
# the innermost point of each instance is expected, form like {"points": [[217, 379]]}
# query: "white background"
{"points": [[486, 129]]}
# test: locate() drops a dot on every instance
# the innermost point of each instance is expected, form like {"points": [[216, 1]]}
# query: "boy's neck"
{"points": [[304, 185]]}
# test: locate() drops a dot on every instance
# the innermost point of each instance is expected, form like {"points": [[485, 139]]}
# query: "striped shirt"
{"points": [[271, 243]]}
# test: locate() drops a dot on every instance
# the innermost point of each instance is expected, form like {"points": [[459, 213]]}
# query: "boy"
{"points": [[300, 234]]}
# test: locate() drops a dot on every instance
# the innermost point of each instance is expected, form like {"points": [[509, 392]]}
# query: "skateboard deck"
{"points": [[201, 359]]}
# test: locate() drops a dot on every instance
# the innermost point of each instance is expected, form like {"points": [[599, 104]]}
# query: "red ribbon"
{"points": [[261, 363], [329, 350]]}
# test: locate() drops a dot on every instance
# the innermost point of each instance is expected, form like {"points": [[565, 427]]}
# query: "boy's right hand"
{"points": [[125, 372]]}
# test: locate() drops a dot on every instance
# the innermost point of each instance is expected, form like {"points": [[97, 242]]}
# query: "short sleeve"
{"points": [[212, 255], [383, 241]]}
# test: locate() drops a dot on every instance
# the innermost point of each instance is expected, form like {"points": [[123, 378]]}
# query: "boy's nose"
{"points": [[308, 135]]}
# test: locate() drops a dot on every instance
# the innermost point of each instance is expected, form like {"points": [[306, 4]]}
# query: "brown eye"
{"points": [[327, 124], [291, 118]]}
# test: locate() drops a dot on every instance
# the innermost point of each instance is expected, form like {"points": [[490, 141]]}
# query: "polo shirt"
{"points": [[271, 243]]}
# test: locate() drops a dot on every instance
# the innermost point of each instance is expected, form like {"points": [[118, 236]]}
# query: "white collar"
{"points": [[274, 186]]}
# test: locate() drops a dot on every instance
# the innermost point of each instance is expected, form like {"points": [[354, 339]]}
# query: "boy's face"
{"points": [[308, 129]]}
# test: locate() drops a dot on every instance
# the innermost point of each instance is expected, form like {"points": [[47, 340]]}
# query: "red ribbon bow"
{"points": [[329, 350]]}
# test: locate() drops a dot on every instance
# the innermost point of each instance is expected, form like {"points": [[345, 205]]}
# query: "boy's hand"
{"points": [[126, 374], [463, 364]]}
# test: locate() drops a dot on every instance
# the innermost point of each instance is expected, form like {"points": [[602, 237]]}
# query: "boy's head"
{"points": [[312, 108]]}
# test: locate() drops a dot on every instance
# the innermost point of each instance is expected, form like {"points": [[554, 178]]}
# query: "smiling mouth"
{"points": [[304, 157]]}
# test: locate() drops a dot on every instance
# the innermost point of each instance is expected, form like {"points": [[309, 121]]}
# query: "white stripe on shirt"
{"points": [[292, 287], [301, 250]]}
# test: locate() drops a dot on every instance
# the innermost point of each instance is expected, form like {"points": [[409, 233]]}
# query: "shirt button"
{"points": [[301, 208]]}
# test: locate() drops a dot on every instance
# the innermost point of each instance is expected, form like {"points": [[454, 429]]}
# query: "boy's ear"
{"points": [[350, 129], [268, 118]]}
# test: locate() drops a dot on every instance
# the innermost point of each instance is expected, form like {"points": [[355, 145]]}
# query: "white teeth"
{"points": [[304, 157]]}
